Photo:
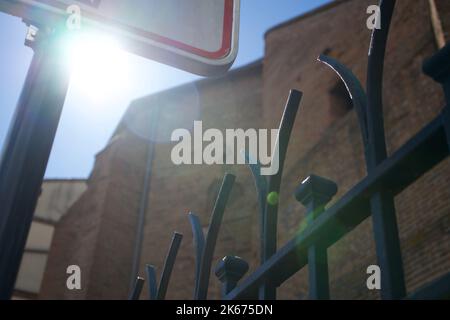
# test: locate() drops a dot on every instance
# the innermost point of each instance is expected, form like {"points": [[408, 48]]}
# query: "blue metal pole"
{"points": [[27, 150]]}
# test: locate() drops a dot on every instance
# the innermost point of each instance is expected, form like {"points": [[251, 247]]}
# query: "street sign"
{"points": [[199, 36]]}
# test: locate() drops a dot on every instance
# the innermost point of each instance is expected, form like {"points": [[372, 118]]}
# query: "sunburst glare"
{"points": [[99, 68]]}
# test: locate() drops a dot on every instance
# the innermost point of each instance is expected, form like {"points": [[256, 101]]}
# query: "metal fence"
{"points": [[372, 196]]}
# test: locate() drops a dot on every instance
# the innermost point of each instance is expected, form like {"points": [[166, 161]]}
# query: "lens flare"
{"points": [[99, 67]]}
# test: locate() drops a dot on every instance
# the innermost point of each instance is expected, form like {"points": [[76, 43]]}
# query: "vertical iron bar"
{"points": [[143, 204], [388, 246], [201, 291], [199, 244], [318, 272], [27, 150], [269, 237], [375, 73], [261, 190], [382, 203], [152, 282], [314, 193], [168, 265]]}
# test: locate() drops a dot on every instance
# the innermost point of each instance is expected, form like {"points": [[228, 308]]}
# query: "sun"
{"points": [[99, 67]]}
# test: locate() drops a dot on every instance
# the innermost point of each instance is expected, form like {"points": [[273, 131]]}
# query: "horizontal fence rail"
{"points": [[394, 174]]}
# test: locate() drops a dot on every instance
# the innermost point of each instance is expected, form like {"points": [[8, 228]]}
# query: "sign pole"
{"points": [[27, 149]]}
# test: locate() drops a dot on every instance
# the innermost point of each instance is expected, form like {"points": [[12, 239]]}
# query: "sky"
{"points": [[88, 122]]}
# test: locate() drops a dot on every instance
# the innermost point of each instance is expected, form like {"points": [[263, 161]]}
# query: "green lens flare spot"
{"points": [[272, 198]]}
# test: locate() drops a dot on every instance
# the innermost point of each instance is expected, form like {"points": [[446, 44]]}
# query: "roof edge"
{"points": [[56, 180], [233, 72], [230, 73], [306, 15]]}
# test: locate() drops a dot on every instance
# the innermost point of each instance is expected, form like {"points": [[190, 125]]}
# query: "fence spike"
{"points": [[269, 237], [168, 265], [201, 291], [152, 282]]}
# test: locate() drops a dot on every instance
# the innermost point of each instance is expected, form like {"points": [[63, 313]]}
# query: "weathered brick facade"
{"points": [[99, 231]]}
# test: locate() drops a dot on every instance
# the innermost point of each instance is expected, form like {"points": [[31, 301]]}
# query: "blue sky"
{"points": [[86, 123]]}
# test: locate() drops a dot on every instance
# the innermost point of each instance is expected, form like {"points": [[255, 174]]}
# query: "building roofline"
{"points": [[231, 73], [56, 180], [306, 15]]}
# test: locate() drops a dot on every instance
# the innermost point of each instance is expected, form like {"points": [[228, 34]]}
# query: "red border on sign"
{"points": [[215, 55]]}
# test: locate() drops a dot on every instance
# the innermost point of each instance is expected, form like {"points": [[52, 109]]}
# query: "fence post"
{"points": [[314, 193], [229, 271]]}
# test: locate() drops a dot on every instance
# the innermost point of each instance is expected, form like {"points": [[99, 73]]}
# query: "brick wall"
{"points": [[98, 231]]}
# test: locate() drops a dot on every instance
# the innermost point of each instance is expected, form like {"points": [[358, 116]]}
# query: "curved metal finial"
{"points": [[356, 92], [375, 72], [201, 290]]}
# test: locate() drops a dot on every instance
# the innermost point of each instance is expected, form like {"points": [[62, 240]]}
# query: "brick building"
{"points": [[134, 180]]}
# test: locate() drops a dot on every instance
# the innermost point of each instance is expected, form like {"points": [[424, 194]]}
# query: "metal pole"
{"points": [[143, 204], [27, 150]]}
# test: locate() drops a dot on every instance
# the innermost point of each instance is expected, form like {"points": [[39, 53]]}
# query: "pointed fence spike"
{"points": [[269, 236], [168, 265], [152, 282], [201, 291]]}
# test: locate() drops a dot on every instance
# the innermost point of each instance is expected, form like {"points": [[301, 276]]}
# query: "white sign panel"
{"points": [[199, 36]]}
